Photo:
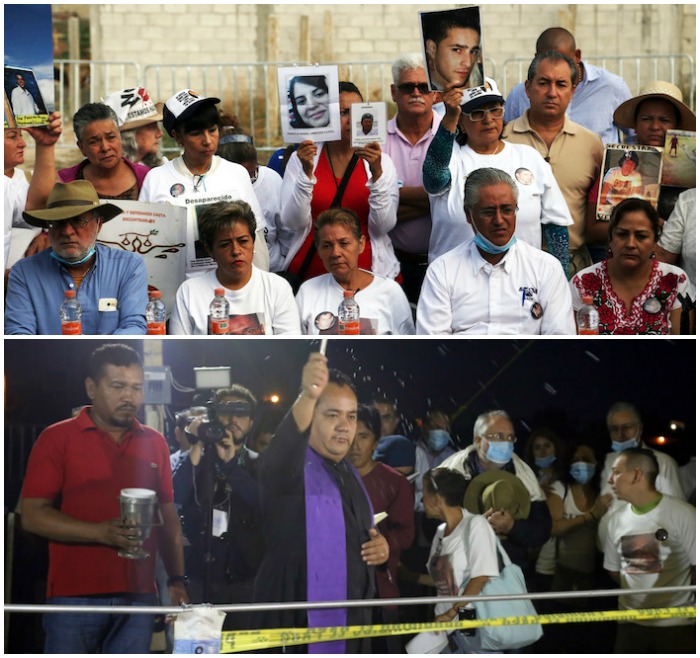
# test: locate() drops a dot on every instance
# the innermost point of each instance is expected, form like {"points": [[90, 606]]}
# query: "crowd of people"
{"points": [[478, 216], [338, 500]]}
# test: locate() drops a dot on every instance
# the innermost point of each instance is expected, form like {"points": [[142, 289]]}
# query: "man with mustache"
{"points": [[110, 284], [574, 152], [409, 135], [236, 543], [75, 474]]}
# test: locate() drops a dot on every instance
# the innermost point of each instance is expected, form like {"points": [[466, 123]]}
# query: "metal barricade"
{"points": [[636, 70]]}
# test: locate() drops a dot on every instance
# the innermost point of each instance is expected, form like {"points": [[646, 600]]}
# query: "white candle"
{"points": [[324, 344]]}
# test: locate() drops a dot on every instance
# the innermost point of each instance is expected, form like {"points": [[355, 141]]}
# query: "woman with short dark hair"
{"points": [[634, 292], [113, 176], [259, 302]]}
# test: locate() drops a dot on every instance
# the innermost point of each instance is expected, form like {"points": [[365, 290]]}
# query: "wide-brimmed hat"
{"points": [[496, 489], [625, 114], [69, 200], [182, 105], [134, 108], [475, 97]]}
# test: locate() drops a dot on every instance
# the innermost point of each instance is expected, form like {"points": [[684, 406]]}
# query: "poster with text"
{"points": [[629, 171], [28, 74], [453, 47], [368, 121], [156, 231], [309, 103]]}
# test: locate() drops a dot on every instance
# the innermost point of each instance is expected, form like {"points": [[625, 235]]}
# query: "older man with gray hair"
{"points": [[625, 427], [492, 449], [494, 283], [409, 134]]}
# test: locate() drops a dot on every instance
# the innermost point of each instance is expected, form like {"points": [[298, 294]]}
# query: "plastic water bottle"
{"points": [[587, 318], [155, 314], [71, 314], [348, 315], [218, 312]]}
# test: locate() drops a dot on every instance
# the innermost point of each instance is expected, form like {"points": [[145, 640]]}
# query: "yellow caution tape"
{"points": [[239, 641]]}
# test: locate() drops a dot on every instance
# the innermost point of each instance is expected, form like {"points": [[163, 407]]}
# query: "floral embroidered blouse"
{"points": [[650, 310]]}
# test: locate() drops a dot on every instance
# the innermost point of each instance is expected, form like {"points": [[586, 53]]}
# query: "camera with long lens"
{"points": [[211, 430]]}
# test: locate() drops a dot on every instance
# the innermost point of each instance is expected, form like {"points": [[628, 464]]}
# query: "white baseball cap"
{"points": [[182, 105], [134, 108]]}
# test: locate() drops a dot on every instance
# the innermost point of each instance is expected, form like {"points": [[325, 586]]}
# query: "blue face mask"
{"points": [[489, 247], [438, 439], [619, 446], [500, 452], [582, 472], [69, 263], [545, 462]]}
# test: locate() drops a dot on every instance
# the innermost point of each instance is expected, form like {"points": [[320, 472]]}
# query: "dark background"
{"points": [[566, 384]]}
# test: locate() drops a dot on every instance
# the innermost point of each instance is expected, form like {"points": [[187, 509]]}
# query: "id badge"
{"points": [[219, 524]]}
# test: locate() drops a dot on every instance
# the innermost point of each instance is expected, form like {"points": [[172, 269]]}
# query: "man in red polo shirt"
{"points": [[71, 496]]}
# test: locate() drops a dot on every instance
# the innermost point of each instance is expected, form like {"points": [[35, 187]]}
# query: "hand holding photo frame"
{"points": [[368, 123], [309, 103]]}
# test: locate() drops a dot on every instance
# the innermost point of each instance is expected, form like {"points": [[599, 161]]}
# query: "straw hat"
{"points": [[134, 108], [496, 489], [624, 115], [69, 200]]}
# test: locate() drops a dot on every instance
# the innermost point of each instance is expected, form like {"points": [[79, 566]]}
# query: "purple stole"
{"points": [[326, 560]]}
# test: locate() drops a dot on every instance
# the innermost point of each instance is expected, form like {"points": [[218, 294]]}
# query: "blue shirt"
{"points": [[595, 100], [37, 285]]}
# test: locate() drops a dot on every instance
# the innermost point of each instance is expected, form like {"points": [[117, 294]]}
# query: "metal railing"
{"points": [[636, 70]]}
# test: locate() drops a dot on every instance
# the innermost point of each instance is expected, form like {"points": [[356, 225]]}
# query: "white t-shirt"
{"points": [[225, 181], [382, 303], [452, 564], [16, 189], [540, 200], [678, 235], [656, 549], [268, 188], [265, 301], [525, 293]]}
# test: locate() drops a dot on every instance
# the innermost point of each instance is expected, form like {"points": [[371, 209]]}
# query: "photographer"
{"points": [[235, 544]]}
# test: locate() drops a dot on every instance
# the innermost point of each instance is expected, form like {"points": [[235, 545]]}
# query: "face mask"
{"points": [[619, 446], [438, 439], [63, 261], [544, 462], [582, 472], [489, 247], [500, 452]]}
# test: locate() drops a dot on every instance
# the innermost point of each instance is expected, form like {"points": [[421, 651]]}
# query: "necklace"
{"points": [[579, 74], [197, 178], [499, 145]]}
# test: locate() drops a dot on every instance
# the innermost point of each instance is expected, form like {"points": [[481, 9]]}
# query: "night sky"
{"points": [[565, 384]]}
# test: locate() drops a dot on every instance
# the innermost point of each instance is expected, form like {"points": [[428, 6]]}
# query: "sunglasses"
{"points": [[408, 87]]}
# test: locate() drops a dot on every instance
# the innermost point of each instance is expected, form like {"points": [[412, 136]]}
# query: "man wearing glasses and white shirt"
{"points": [[494, 283], [494, 440]]}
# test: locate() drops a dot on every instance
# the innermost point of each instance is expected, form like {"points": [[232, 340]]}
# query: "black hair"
{"points": [[437, 24], [349, 88], [224, 214], [112, 354], [643, 459], [446, 482], [629, 155], [204, 119], [340, 379], [238, 391], [318, 81], [369, 415], [635, 205]]}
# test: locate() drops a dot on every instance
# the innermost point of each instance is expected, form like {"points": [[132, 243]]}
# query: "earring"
{"points": [[653, 255]]}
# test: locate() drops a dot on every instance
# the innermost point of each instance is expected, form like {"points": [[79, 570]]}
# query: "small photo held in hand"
{"points": [[453, 47], [368, 121], [309, 103]]}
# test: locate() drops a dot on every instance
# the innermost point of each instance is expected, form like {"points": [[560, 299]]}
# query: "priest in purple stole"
{"points": [[317, 517]]}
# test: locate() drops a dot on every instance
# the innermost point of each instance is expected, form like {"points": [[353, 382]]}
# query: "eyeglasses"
{"points": [[75, 222], [507, 212], [623, 429], [500, 436], [408, 87], [480, 115]]}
